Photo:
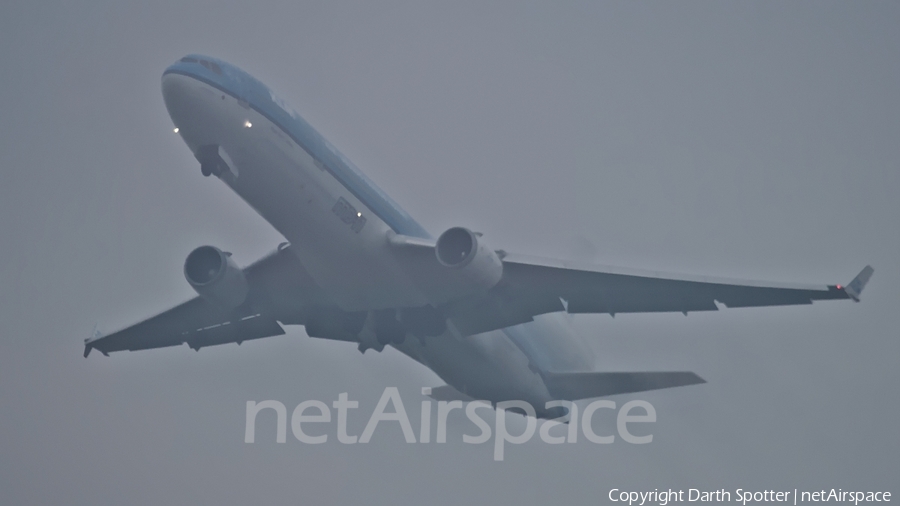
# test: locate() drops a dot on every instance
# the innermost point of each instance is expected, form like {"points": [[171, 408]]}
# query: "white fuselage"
{"points": [[357, 266]]}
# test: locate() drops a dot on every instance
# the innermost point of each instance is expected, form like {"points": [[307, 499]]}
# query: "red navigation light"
{"points": [[839, 287]]}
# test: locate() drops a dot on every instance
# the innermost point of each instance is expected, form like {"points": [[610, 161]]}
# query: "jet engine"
{"points": [[214, 275], [478, 266]]}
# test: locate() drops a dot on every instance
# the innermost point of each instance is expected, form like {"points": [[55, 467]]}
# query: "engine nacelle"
{"points": [[478, 266], [214, 275]]}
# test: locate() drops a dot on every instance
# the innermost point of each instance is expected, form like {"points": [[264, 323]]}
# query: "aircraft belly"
{"points": [[300, 199], [551, 344], [484, 366]]}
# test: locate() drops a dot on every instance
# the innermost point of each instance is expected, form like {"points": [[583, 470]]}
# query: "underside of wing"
{"points": [[532, 286], [195, 322], [280, 290]]}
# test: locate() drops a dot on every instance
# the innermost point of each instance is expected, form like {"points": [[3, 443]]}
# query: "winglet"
{"points": [[855, 287], [89, 342]]}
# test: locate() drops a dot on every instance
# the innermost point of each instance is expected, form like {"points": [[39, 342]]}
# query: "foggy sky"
{"points": [[748, 140]]}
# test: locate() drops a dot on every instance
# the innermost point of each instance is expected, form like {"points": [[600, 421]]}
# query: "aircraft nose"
{"points": [[190, 103], [176, 91]]}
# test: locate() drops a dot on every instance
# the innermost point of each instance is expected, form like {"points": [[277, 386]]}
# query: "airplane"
{"points": [[357, 268]]}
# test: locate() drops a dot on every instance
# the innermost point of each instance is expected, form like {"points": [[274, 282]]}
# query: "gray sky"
{"points": [[751, 140]]}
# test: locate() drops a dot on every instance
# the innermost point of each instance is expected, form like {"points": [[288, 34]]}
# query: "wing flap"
{"points": [[251, 327], [735, 296]]}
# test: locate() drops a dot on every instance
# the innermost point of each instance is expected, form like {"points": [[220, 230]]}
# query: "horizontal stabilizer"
{"points": [[583, 385], [859, 282]]}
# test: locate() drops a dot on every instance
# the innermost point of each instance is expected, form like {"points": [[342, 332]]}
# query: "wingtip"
{"points": [[88, 342]]}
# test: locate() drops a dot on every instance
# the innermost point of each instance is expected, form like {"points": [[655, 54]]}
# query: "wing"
{"points": [[281, 290], [532, 286]]}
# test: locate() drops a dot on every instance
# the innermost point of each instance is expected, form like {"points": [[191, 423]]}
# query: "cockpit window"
{"points": [[212, 66]]}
